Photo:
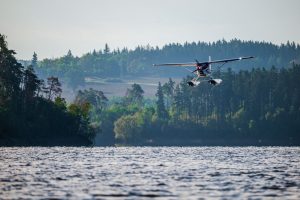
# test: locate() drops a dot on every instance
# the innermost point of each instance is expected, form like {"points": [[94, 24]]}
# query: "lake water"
{"points": [[143, 172]]}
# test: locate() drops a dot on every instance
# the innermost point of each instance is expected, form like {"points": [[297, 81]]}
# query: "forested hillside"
{"points": [[257, 107], [32, 111], [138, 62], [257, 103]]}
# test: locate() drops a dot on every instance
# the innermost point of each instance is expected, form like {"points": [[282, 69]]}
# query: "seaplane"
{"points": [[203, 71]]}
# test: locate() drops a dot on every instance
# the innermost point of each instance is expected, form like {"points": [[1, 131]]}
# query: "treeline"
{"points": [[257, 107], [32, 111], [260, 106], [138, 62]]}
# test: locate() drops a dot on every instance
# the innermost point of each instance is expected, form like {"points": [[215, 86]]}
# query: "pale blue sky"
{"points": [[51, 27]]}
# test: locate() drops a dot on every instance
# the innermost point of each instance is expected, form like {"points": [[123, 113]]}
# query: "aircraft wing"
{"points": [[227, 60], [177, 64], [190, 64]]}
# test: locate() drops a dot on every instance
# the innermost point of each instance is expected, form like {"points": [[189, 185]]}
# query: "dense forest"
{"points": [[253, 106], [138, 62], [257, 107], [32, 111]]}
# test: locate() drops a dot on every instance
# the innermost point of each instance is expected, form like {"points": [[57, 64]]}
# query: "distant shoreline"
{"points": [[233, 143], [45, 142], [77, 142]]}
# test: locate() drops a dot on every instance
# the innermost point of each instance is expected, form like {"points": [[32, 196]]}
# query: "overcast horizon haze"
{"points": [[52, 27]]}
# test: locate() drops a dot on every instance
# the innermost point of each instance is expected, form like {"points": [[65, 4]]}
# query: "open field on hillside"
{"points": [[117, 87]]}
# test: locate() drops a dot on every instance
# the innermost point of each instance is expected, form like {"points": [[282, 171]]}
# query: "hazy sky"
{"points": [[51, 27]]}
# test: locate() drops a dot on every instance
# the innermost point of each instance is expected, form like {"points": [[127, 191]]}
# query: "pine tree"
{"points": [[177, 102], [34, 60], [31, 83], [106, 49], [160, 105], [11, 73], [168, 91], [69, 54], [54, 87]]}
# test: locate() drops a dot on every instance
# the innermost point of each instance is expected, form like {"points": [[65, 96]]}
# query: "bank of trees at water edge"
{"points": [[32, 111], [251, 107], [257, 107]]}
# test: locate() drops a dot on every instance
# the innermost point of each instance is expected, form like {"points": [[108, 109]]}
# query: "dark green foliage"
{"points": [[106, 49], [127, 129], [54, 88], [160, 104], [27, 118], [134, 95], [95, 98], [258, 107], [34, 61], [168, 91], [138, 62], [11, 74], [31, 83]]}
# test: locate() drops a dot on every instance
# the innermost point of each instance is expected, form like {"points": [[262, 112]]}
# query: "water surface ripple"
{"points": [[150, 172]]}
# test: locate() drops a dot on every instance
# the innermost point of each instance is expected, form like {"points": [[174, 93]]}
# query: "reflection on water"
{"points": [[141, 172]]}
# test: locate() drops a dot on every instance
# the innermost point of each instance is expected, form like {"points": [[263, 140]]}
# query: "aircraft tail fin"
{"points": [[209, 66]]}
